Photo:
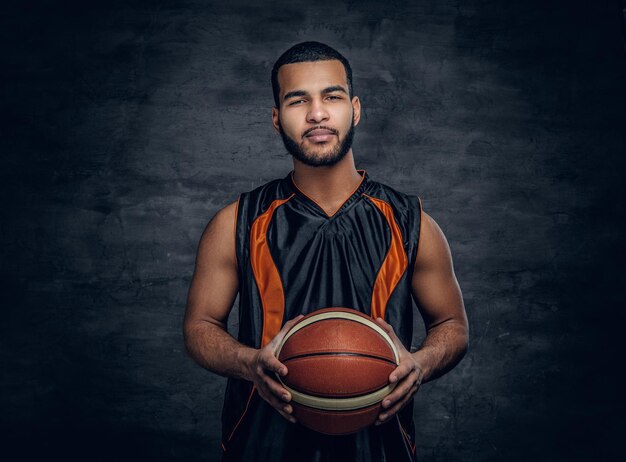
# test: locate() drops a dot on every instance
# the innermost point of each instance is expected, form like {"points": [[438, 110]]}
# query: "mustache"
{"points": [[322, 127]]}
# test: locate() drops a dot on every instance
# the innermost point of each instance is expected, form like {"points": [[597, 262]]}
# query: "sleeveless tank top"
{"points": [[293, 258]]}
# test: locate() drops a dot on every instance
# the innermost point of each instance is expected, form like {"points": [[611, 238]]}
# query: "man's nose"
{"points": [[317, 112]]}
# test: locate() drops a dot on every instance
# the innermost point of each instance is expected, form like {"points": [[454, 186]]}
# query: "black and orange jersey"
{"points": [[293, 258]]}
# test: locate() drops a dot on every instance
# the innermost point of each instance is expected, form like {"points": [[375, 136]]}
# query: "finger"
{"points": [[402, 389], [289, 417], [270, 363], [283, 409], [400, 372], [389, 413], [276, 389]]}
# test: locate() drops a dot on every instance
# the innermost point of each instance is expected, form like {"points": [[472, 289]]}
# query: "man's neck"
{"points": [[328, 186]]}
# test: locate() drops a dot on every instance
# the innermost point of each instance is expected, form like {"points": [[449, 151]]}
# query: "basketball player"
{"points": [[326, 235]]}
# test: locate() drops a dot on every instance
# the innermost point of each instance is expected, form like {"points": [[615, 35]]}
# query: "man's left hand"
{"points": [[408, 377]]}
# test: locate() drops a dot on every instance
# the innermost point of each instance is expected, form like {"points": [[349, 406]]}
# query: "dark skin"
{"points": [[215, 282]]}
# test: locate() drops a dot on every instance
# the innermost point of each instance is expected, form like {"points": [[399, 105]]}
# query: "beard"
{"points": [[327, 160]]}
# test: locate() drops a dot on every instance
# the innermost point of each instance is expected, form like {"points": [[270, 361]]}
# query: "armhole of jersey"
{"points": [[235, 232], [245, 411], [407, 438], [419, 233]]}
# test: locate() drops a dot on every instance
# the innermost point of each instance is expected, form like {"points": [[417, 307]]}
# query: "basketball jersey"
{"points": [[293, 258]]}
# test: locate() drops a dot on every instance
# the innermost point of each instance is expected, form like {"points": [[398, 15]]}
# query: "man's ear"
{"points": [[356, 109], [275, 120]]}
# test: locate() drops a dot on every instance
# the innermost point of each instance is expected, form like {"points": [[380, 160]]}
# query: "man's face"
{"points": [[316, 117]]}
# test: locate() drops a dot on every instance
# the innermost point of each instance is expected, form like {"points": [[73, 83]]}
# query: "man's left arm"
{"points": [[439, 299]]}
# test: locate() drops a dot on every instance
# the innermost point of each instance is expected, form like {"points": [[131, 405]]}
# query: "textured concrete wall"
{"points": [[125, 128]]}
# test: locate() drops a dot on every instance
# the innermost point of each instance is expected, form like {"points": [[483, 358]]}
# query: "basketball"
{"points": [[338, 362]]}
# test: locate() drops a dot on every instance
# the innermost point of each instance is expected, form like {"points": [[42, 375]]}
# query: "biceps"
{"points": [[212, 293], [438, 296], [435, 288], [215, 281]]}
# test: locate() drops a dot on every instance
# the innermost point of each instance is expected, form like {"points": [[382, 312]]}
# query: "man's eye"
{"points": [[298, 101], [334, 97]]}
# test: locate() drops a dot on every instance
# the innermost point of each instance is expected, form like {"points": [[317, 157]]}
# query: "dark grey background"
{"points": [[125, 127]]}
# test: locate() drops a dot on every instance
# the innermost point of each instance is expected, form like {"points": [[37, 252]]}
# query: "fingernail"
{"points": [[287, 409], [378, 422], [382, 417], [292, 420], [386, 403], [286, 397], [393, 378]]}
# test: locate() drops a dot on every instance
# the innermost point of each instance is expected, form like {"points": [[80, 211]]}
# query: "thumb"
{"points": [[289, 324], [287, 327], [389, 330], [387, 327], [271, 363], [281, 334]]}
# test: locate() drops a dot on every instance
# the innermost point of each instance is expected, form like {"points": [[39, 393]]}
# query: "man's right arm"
{"points": [[212, 293], [213, 290]]}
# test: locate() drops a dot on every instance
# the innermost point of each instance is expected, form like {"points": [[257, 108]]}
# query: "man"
{"points": [[324, 236]]}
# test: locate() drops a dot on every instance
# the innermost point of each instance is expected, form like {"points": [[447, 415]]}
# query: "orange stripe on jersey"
{"points": [[393, 266], [266, 274], [269, 284], [235, 228], [240, 418], [406, 438], [419, 236]]}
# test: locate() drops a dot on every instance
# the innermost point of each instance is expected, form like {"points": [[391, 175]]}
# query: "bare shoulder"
{"points": [[218, 238], [224, 217], [433, 248]]}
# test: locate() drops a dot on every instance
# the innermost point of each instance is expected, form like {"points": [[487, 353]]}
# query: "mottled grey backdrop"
{"points": [[127, 125]]}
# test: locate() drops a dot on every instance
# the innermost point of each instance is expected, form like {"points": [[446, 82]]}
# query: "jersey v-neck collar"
{"points": [[360, 189]]}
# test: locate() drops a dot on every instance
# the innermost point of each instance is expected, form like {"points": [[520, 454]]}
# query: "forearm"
{"points": [[442, 349], [216, 350]]}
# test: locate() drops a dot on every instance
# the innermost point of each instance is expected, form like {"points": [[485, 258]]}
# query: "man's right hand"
{"points": [[262, 366]]}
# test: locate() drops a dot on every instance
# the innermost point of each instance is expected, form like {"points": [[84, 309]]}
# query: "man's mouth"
{"points": [[320, 135]]}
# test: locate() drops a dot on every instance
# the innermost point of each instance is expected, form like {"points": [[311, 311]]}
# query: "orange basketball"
{"points": [[339, 361]]}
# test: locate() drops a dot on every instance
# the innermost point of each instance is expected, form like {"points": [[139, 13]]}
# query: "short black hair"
{"points": [[307, 52]]}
